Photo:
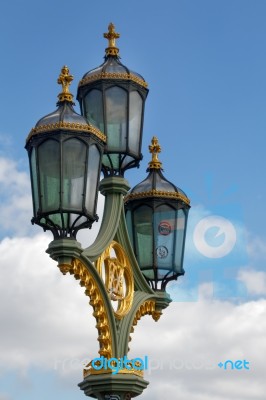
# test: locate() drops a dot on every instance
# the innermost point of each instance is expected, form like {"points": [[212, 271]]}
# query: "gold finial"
{"points": [[111, 50], [155, 149], [65, 80]]}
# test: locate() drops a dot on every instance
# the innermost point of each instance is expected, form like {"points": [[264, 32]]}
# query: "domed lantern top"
{"points": [[65, 155], [112, 98], [156, 215]]}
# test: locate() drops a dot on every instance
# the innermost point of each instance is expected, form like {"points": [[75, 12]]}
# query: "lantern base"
{"points": [[113, 386], [63, 251]]}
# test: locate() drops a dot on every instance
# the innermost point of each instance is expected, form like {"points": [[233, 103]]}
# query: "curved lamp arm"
{"points": [[113, 188]]}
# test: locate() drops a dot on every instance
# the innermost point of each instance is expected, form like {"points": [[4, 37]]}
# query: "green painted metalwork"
{"points": [[113, 188], [145, 300]]}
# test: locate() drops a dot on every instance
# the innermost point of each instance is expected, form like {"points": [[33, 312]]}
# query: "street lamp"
{"points": [[123, 281], [156, 214], [65, 155], [112, 98]]}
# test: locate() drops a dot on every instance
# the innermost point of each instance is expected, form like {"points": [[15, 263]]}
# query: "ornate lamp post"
{"points": [[66, 153]]}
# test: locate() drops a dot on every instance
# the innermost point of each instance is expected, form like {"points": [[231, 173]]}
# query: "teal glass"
{"points": [[49, 175], [65, 175], [94, 109], [157, 233], [118, 112]]}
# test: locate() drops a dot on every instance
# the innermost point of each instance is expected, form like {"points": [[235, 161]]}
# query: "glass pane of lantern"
{"points": [[94, 108], [164, 234], [180, 234], [135, 112], [49, 165], [143, 236], [73, 171], [75, 219], [116, 118], [127, 160], [92, 178], [58, 219], [35, 194], [114, 163]]}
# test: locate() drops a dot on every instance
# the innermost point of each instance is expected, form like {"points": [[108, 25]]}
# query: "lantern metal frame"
{"points": [[157, 282], [156, 192], [128, 87], [62, 126], [102, 80], [64, 229]]}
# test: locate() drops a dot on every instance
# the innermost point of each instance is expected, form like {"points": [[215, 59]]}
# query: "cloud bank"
{"points": [[47, 323]]}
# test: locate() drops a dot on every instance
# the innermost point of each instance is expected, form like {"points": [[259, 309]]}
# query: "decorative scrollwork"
{"points": [[111, 35], [113, 75], [157, 193], [81, 273], [65, 126], [146, 308], [115, 270], [65, 80]]}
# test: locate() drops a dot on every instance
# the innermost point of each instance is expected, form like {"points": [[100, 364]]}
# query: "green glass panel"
{"points": [[116, 118], [92, 178], [149, 273], [111, 161], [143, 235], [94, 108], [135, 113], [57, 219], [35, 194], [180, 239], [73, 171], [49, 169], [164, 236]]}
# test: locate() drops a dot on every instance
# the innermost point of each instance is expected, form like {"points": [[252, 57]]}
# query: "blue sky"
{"points": [[205, 62]]}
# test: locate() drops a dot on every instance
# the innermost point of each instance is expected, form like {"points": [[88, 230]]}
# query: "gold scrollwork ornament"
{"points": [[115, 270]]}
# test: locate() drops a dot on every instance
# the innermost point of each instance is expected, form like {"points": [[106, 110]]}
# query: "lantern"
{"points": [[156, 215]]}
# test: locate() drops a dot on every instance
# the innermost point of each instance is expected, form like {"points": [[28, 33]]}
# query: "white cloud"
{"points": [[44, 316], [189, 341], [16, 206], [46, 322], [256, 247], [255, 281]]}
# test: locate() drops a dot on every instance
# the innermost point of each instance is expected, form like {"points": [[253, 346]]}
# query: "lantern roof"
{"points": [[64, 117], [112, 67], [156, 185]]}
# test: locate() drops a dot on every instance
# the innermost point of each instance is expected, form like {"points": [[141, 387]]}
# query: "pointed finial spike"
{"points": [[111, 35], [65, 80], [155, 149]]}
